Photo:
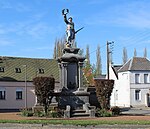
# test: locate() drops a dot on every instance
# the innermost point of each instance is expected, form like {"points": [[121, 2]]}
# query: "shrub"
{"points": [[103, 92], [115, 110], [104, 113], [26, 112], [39, 113], [44, 88], [55, 114]]}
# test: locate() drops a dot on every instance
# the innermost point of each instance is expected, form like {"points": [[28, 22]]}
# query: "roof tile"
{"points": [[136, 63], [50, 67]]}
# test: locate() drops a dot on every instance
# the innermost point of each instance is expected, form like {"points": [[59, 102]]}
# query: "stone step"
{"points": [[79, 113]]}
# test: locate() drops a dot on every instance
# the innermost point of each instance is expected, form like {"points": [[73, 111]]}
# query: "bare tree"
{"points": [[81, 52], [145, 52], [87, 55], [98, 62], [55, 50], [58, 48], [135, 53], [125, 56]]}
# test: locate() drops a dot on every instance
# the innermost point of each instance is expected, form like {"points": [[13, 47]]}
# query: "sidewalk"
{"points": [[39, 126], [127, 116]]}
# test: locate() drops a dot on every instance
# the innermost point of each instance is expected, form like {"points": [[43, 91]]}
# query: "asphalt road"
{"points": [[39, 126], [136, 111]]}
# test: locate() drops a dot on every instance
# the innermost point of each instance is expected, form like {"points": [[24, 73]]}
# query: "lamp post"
{"points": [[25, 80]]}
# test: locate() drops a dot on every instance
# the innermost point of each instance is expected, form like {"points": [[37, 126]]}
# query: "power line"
{"points": [[135, 39], [96, 49]]}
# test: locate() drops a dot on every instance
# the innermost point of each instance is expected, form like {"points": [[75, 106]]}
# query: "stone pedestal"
{"points": [[74, 99], [73, 92], [70, 68]]}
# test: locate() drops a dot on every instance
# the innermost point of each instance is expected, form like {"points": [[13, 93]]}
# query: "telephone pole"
{"points": [[109, 50]]}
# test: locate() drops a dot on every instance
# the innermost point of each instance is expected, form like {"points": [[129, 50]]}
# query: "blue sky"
{"points": [[28, 28]]}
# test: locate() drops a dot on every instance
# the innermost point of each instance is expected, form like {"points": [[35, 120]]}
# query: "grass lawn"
{"points": [[79, 122]]}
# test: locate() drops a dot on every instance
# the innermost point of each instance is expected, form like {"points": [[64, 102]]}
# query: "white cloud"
{"points": [[140, 19], [139, 37], [36, 30], [38, 16], [146, 42], [5, 29], [131, 14], [2, 30], [5, 42], [18, 6], [44, 48], [5, 5], [95, 2], [39, 49], [22, 8]]}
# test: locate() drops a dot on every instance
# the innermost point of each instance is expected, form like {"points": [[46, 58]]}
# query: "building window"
{"points": [[18, 70], [41, 71], [19, 94], [137, 78], [2, 94], [1, 69], [137, 95], [145, 78]]}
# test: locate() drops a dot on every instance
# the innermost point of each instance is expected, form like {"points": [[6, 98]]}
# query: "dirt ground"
{"points": [[17, 116]]}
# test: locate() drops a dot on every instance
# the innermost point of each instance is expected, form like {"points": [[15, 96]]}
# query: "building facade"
{"points": [[16, 75], [132, 83]]}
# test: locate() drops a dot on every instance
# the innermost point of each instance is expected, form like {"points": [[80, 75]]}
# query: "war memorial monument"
{"points": [[72, 95]]}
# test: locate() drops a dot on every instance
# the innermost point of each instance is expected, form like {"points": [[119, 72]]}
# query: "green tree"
{"points": [[44, 88], [125, 56], [87, 70], [88, 75]]}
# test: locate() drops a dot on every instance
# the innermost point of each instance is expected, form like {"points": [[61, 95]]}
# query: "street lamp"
{"points": [[25, 80]]}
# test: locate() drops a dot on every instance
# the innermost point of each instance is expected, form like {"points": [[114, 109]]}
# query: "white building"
{"points": [[16, 75], [132, 83]]}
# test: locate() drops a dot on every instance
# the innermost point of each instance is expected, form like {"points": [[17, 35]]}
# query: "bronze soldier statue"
{"points": [[70, 31]]}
